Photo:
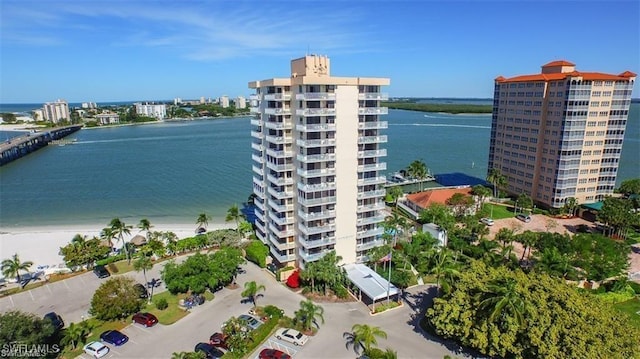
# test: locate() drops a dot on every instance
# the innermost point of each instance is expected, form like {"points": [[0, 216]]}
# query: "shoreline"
{"points": [[41, 244]]}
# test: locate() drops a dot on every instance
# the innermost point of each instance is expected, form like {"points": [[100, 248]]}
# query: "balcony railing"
{"points": [[281, 181], [278, 139], [318, 127], [254, 109], [279, 153], [372, 153], [372, 180], [260, 227], [258, 182], [373, 125], [316, 215], [307, 257], [277, 96], [317, 173], [256, 122], [281, 233], [257, 170], [317, 158], [282, 246], [277, 111], [281, 220], [257, 158], [316, 96], [379, 96], [373, 167], [277, 125], [317, 187], [254, 97], [373, 111], [371, 194], [257, 146], [317, 229], [259, 205], [256, 134], [281, 167], [280, 194], [326, 241], [369, 220], [282, 258], [317, 143], [369, 245], [316, 201], [372, 139], [316, 112], [370, 207], [280, 207]]}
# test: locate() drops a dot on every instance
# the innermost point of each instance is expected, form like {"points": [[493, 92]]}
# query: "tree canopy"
{"points": [[115, 299], [557, 320], [24, 328]]}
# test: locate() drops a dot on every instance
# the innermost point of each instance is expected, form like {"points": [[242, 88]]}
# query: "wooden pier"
{"points": [[17, 147]]}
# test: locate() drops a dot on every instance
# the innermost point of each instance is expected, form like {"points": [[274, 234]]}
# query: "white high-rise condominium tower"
{"points": [[318, 163]]}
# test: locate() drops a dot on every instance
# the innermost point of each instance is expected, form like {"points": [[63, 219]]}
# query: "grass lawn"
{"points": [[632, 308], [20, 289], [172, 314], [97, 327], [499, 212]]}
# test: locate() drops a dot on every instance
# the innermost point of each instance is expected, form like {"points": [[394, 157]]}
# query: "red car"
{"points": [[146, 319], [218, 340], [273, 354]]}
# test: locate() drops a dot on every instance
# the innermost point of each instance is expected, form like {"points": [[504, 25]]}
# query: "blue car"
{"points": [[114, 337]]}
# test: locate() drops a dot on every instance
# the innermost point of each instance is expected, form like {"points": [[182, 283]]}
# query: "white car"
{"points": [[487, 221], [292, 336], [96, 349]]}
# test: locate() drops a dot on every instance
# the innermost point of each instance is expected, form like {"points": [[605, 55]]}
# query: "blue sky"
{"points": [[123, 50]]}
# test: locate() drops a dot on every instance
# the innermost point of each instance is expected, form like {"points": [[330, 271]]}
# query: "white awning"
{"points": [[369, 282]]}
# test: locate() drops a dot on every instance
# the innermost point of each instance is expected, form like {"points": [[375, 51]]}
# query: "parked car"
{"points": [[96, 349], [101, 271], [209, 350], [487, 221], [273, 354], [523, 217], [218, 340], [252, 322], [146, 319], [292, 336], [142, 291], [114, 337], [55, 319]]}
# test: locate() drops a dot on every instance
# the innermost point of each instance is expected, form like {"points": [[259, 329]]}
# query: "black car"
{"points": [[209, 350], [142, 291], [101, 272], [55, 319]]}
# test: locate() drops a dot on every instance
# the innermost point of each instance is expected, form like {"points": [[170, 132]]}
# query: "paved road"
{"points": [[70, 298]]}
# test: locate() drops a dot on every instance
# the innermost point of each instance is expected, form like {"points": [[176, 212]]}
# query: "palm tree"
{"points": [[308, 313], [553, 263], [395, 193], [143, 263], [505, 236], [107, 235], [571, 203], [251, 290], [395, 222], [418, 170], [145, 225], [363, 336], [12, 267], [234, 214], [79, 243], [482, 193], [503, 297], [244, 227], [203, 220], [497, 179], [443, 265], [119, 229], [527, 239], [75, 334]]}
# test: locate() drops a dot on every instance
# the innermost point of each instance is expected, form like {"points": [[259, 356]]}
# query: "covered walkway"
{"points": [[370, 283]]}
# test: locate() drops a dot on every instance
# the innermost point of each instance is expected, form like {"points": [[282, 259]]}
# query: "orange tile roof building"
{"points": [[414, 203], [558, 134]]}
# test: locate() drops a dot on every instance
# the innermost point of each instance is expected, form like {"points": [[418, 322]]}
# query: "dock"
{"points": [[17, 147]]}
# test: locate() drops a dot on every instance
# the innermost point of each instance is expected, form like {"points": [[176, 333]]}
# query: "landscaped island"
{"points": [[438, 107]]}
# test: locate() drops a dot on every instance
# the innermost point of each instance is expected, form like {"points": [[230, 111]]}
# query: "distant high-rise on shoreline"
{"points": [[558, 134], [317, 163]]}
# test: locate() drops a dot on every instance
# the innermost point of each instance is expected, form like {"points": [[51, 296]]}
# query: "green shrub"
{"points": [[382, 307], [109, 260], [272, 311], [635, 286], [162, 303], [341, 292], [279, 272], [257, 253]]}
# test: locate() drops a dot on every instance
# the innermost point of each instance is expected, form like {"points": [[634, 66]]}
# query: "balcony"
{"points": [[278, 139], [258, 182], [318, 127], [259, 205], [256, 122], [254, 109], [260, 236], [280, 207], [317, 229], [277, 111], [280, 181], [281, 220], [370, 220], [254, 97], [370, 232], [257, 146], [280, 194], [307, 257], [375, 96], [317, 173], [281, 233], [373, 125], [316, 112], [373, 111], [371, 194], [317, 242], [257, 170], [369, 245], [318, 143], [316, 215], [317, 158], [277, 125], [372, 180], [372, 167], [281, 246], [257, 158], [260, 227], [277, 96], [372, 139], [280, 168], [316, 96], [316, 201], [256, 134], [371, 207], [317, 187], [279, 153], [372, 153], [282, 258]]}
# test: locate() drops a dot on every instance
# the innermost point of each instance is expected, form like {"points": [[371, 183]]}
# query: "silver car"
{"points": [[252, 322]]}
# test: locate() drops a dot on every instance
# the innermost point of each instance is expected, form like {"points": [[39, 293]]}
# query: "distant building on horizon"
{"points": [[158, 111], [224, 101], [89, 105], [108, 118], [318, 163], [558, 134], [56, 111], [240, 102]]}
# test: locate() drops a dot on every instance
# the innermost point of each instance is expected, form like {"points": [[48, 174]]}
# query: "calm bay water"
{"points": [[170, 172]]}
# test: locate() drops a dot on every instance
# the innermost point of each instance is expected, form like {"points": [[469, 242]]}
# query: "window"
{"points": [[595, 103], [596, 94], [608, 83], [591, 124], [593, 113], [606, 93]]}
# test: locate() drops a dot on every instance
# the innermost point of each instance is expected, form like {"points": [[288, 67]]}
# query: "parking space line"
{"points": [[66, 285], [49, 289], [31, 294]]}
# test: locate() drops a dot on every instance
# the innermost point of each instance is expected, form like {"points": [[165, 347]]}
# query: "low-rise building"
{"points": [[108, 118], [416, 202], [158, 111]]}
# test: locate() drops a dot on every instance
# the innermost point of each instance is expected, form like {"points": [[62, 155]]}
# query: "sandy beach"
{"points": [[42, 244]]}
